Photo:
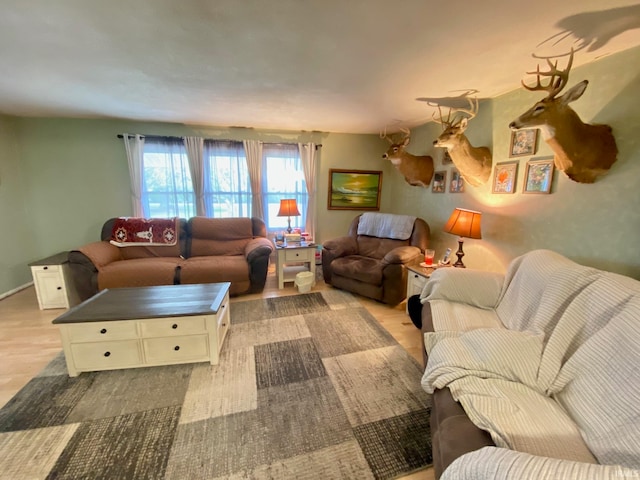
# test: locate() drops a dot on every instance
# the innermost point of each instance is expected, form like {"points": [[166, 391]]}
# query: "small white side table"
{"points": [[296, 254], [416, 278], [51, 279]]}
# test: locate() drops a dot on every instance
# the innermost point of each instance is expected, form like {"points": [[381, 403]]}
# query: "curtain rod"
{"points": [[169, 137]]}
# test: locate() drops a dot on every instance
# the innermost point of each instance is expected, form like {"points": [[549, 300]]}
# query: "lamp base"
{"points": [[459, 254], [289, 229]]}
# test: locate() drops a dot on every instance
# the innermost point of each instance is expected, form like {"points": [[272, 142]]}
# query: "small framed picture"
{"points": [[523, 142], [538, 176], [457, 182], [439, 181], [504, 177], [446, 158]]}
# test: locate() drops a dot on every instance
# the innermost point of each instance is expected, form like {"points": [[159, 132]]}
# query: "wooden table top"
{"points": [[148, 302]]}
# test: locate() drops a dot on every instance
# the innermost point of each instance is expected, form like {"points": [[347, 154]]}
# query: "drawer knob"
{"points": [[59, 288], [106, 354], [176, 348], [174, 326], [103, 331], [45, 268]]}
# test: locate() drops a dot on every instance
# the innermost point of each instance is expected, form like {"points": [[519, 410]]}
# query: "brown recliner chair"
{"points": [[371, 266]]}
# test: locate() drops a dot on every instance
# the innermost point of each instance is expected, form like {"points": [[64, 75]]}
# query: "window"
{"points": [[167, 190], [283, 177], [227, 191]]}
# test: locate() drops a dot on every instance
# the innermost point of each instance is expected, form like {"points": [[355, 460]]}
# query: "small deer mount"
{"points": [[417, 170], [582, 151], [473, 163]]}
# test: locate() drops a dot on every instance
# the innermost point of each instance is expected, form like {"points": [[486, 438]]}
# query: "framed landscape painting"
{"points": [[354, 189], [504, 177]]}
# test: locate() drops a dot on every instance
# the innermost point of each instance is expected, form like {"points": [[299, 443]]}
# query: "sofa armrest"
{"points": [[402, 255], [472, 287], [340, 247], [493, 463], [101, 253], [258, 247], [257, 252]]}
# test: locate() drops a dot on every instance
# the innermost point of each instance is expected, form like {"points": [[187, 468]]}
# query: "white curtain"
{"points": [[134, 146], [309, 158], [253, 152], [195, 148]]}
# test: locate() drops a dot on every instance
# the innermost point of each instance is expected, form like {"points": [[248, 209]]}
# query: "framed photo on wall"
{"points": [[439, 182], [504, 177], [523, 142], [457, 182], [354, 189], [538, 176], [446, 158]]}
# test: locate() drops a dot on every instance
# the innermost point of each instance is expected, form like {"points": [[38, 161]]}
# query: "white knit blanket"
{"points": [[386, 225], [561, 382]]}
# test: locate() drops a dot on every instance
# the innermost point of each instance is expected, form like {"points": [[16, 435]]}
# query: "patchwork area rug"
{"points": [[308, 386]]}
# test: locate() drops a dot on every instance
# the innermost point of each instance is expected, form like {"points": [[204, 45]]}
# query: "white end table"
{"points": [[287, 255]]}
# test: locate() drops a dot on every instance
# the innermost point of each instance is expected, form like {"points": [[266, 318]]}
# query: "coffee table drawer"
{"points": [[106, 355], [99, 331], [162, 327], [176, 349]]}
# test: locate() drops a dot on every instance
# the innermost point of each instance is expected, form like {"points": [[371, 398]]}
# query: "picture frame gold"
{"points": [[354, 189]]}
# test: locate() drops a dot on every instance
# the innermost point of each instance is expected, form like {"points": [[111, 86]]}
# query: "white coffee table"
{"points": [[146, 326]]}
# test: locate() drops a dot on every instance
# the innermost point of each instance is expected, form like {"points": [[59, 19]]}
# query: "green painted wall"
{"points": [[72, 174], [597, 224], [17, 242], [61, 178]]}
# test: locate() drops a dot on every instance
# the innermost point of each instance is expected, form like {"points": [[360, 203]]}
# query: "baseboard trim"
{"points": [[15, 290]]}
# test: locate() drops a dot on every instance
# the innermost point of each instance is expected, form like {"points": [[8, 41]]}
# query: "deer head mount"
{"points": [[417, 170], [473, 163], [582, 151]]}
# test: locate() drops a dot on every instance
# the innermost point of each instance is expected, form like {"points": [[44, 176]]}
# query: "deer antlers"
{"points": [[471, 112], [558, 80]]}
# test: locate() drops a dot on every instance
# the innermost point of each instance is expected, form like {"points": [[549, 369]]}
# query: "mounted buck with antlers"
{"points": [[417, 170], [582, 151], [473, 163]]}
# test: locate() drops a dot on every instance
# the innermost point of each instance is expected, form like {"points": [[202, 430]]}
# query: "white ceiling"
{"points": [[330, 65]]}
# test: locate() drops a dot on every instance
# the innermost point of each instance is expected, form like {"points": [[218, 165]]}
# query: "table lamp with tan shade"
{"points": [[464, 223], [288, 208]]}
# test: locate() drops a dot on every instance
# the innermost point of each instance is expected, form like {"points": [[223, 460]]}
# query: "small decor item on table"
{"points": [[428, 258], [464, 223]]}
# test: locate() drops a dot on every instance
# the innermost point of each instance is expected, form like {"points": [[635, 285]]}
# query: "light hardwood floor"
{"points": [[29, 341]]}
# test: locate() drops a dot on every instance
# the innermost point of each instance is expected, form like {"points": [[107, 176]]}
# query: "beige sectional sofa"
{"points": [[208, 250], [535, 373]]}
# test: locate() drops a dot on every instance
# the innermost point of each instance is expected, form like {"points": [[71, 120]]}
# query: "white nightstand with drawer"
{"points": [[288, 256], [51, 280]]}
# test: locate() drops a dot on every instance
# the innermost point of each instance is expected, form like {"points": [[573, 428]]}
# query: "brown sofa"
{"points": [[208, 250], [371, 266]]}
